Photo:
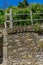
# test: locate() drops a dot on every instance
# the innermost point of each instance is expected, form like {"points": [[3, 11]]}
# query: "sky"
{"points": [[16, 2]]}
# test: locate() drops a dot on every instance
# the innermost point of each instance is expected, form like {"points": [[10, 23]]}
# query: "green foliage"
{"points": [[22, 12], [2, 20], [22, 17], [2, 17], [1, 12], [36, 8]]}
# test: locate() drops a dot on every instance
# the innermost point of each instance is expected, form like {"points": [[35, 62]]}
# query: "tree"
{"points": [[23, 4], [26, 3]]}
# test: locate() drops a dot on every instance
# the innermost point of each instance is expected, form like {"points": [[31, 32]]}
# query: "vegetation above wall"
{"points": [[36, 8]]}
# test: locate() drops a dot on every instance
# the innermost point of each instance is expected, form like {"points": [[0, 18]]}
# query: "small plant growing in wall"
{"points": [[37, 27], [40, 44]]}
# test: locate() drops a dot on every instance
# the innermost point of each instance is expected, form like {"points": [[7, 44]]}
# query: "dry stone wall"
{"points": [[23, 49]]}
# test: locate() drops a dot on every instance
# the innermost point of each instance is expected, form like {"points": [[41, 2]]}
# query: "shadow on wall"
{"points": [[1, 50]]}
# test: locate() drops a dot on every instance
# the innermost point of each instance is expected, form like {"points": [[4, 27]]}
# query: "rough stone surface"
{"points": [[23, 49]]}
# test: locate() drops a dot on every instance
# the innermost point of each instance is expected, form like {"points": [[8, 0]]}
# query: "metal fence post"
{"points": [[11, 20], [5, 21], [31, 17]]}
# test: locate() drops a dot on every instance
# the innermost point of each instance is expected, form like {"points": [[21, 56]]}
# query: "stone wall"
{"points": [[21, 48]]}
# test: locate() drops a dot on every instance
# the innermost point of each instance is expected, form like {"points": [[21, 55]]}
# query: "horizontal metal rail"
{"points": [[37, 13], [25, 20], [22, 20], [22, 14], [7, 14], [38, 19], [27, 13], [28, 20], [7, 21]]}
